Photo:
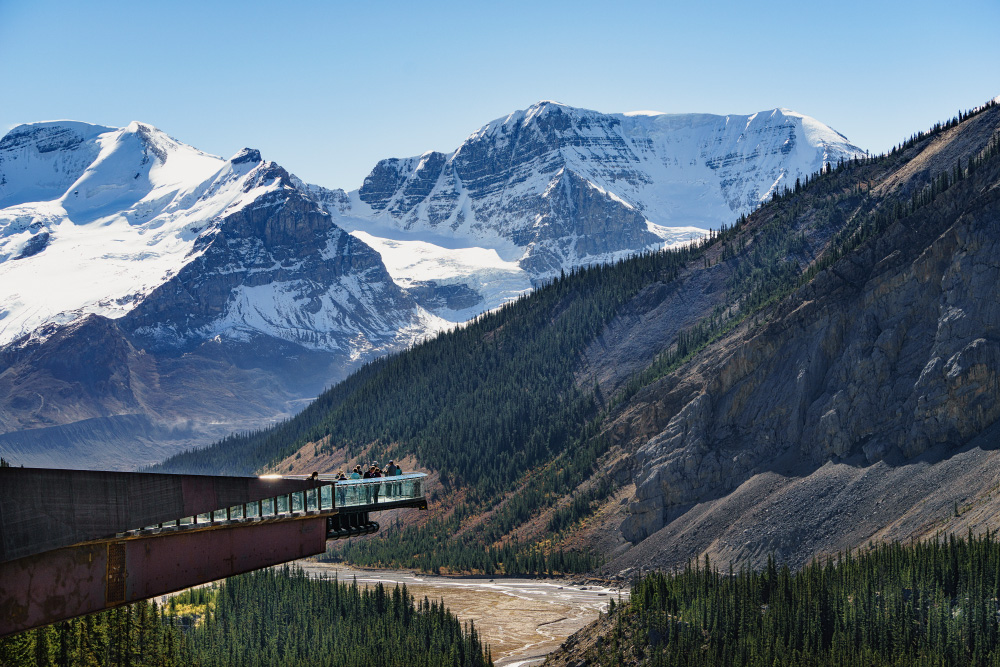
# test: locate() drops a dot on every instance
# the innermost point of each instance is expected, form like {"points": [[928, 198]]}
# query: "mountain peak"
{"points": [[247, 155], [644, 112], [815, 131], [546, 105], [626, 179], [39, 161]]}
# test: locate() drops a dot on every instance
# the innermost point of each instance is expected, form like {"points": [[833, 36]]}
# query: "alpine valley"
{"points": [[819, 375], [154, 297]]}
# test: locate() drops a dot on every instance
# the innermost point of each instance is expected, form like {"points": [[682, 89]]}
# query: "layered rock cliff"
{"points": [[888, 356]]}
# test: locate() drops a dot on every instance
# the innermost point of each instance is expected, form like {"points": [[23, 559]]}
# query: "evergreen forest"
{"points": [[931, 604], [276, 617]]}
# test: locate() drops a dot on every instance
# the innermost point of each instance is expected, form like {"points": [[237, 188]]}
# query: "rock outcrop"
{"points": [[279, 268], [891, 351]]}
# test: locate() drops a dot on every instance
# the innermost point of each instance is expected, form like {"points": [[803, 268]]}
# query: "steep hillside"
{"points": [[844, 334], [877, 375]]}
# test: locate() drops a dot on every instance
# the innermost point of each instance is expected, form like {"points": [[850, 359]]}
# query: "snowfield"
{"points": [[94, 219], [124, 224]]}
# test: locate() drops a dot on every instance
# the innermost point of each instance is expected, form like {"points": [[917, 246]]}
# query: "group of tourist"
{"points": [[374, 470]]}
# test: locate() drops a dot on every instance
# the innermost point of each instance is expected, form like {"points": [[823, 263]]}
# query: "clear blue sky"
{"points": [[328, 88]]}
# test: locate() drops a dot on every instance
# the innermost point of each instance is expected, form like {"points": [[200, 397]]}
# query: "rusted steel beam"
{"points": [[81, 579], [43, 509]]}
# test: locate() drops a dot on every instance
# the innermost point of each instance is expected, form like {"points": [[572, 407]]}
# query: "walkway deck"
{"points": [[74, 542]]}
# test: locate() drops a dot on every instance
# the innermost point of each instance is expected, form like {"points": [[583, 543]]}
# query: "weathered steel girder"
{"points": [[84, 578], [76, 542], [43, 509]]}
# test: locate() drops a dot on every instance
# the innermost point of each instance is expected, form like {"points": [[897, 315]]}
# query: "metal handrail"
{"points": [[330, 477], [377, 480]]}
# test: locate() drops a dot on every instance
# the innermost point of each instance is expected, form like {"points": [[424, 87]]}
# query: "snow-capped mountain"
{"points": [[201, 269], [151, 293], [553, 186], [184, 245]]}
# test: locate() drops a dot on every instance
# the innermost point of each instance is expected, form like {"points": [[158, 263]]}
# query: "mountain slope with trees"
{"points": [[619, 400], [931, 603]]}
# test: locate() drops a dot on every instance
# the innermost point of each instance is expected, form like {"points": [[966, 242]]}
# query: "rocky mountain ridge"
{"points": [[192, 263], [554, 186], [235, 268]]}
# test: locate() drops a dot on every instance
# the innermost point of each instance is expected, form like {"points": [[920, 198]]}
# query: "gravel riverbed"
{"points": [[521, 619]]}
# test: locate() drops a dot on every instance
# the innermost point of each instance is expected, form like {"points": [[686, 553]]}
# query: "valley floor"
{"points": [[522, 620]]}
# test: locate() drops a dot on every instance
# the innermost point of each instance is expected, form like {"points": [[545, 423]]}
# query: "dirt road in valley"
{"points": [[521, 619]]}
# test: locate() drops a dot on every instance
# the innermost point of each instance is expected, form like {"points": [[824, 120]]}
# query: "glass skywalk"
{"points": [[380, 493]]}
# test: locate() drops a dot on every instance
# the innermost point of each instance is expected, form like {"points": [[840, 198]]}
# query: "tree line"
{"points": [[267, 618], [929, 603]]}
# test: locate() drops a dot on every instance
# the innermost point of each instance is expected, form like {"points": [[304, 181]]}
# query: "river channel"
{"points": [[521, 619]]}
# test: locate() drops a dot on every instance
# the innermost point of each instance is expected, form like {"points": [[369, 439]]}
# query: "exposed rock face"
{"points": [[432, 296], [581, 221], [278, 267], [892, 351], [75, 369], [335, 201], [569, 186]]}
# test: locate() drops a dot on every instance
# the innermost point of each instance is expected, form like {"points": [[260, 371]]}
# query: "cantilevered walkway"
{"points": [[74, 542]]}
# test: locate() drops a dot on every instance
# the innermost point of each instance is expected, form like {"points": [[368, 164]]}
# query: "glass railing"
{"points": [[380, 490], [333, 495]]}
